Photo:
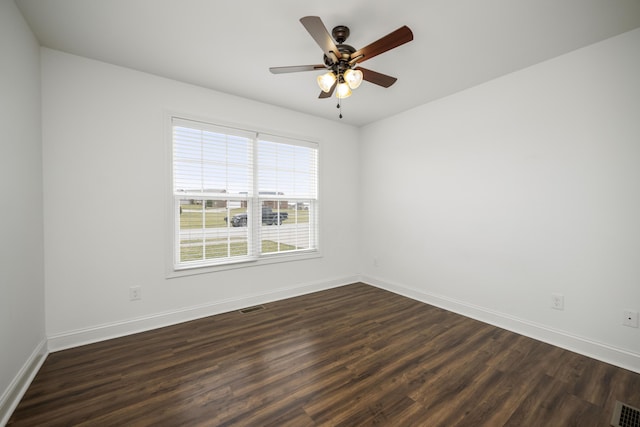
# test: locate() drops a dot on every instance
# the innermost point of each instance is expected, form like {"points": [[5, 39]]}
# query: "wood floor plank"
{"points": [[350, 356]]}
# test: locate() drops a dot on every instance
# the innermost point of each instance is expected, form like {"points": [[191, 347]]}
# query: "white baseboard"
{"points": [[131, 326], [12, 395], [603, 352]]}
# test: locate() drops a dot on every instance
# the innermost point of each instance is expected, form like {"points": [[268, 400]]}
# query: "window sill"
{"points": [[265, 260]]}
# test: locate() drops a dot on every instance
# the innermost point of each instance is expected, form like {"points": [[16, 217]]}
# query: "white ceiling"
{"points": [[229, 45]]}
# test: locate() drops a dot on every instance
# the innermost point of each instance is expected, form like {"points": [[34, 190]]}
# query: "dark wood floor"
{"points": [[349, 356]]}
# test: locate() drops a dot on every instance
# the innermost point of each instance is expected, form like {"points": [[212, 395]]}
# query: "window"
{"points": [[241, 196]]}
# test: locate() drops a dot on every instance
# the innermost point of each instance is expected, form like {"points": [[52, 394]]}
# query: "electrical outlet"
{"points": [[630, 318], [135, 293], [557, 301]]}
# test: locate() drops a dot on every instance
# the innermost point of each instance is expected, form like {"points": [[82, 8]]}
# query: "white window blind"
{"points": [[210, 159], [239, 196]]}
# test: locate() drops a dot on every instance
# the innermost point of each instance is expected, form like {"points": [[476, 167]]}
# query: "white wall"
{"points": [[490, 200], [105, 192], [22, 336]]}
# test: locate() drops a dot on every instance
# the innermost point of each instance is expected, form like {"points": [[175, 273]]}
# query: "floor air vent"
{"points": [[625, 416], [251, 309]]}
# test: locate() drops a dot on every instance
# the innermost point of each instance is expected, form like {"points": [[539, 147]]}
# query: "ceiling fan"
{"points": [[343, 60]]}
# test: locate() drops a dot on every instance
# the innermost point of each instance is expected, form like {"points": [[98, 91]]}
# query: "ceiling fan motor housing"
{"points": [[345, 55]]}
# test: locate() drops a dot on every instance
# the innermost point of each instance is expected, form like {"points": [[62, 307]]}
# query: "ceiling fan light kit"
{"points": [[326, 81], [353, 78], [343, 91], [342, 60]]}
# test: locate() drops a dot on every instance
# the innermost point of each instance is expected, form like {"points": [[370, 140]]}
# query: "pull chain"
{"points": [[339, 107]]}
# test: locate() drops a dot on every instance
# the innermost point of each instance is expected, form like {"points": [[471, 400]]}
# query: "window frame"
{"points": [[254, 204]]}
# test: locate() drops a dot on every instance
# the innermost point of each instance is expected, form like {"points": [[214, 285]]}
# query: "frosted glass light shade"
{"points": [[326, 81], [343, 91], [353, 78]]}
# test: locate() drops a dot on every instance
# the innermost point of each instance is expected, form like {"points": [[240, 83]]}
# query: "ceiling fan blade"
{"points": [[377, 78], [392, 40], [297, 68], [324, 94], [319, 32]]}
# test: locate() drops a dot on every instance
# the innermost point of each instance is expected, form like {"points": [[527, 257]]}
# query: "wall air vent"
{"points": [[625, 416]]}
